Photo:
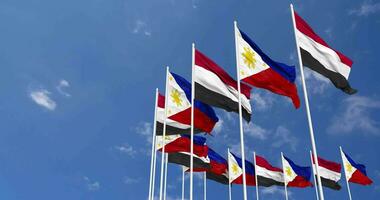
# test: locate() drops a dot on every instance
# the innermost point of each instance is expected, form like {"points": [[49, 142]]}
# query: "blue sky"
{"points": [[77, 88]]}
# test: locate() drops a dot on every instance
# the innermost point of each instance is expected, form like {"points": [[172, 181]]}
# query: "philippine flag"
{"points": [[235, 170], [257, 69], [179, 105], [182, 143], [355, 173], [294, 175]]}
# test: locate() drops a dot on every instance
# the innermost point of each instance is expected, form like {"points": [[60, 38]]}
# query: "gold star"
{"points": [[249, 58], [349, 167], [176, 97], [235, 169], [288, 171]]}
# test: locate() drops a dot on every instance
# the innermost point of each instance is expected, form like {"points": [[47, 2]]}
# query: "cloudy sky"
{"points": [[78, 78]]}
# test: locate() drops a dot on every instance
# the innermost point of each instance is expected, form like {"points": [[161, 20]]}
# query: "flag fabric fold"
{"points": [[317, 55], [259, 70], [330, 173], [235, 170], [215, 87], [267, 175], [355, 173], [218, 168], [294, 175], [182, 143]]}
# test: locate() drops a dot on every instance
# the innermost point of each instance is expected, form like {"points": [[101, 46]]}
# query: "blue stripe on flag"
{"points": [[216, 157], [198, 140], [360, 167], [300, 171], [249, 168]]}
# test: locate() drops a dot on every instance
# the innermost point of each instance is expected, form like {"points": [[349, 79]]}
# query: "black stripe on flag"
{"points": [[184, 159], [267, 182], [171, 130], [330, 184], [218, 178]]}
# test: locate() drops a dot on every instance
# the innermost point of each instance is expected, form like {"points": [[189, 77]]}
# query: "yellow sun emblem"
{"points": [[349, 167], [235, 169], [288, 171], [249, 58], [176, 97]]}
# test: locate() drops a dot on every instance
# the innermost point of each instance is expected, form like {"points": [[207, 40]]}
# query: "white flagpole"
{"points": [[166, 174], [257, 182], [283, 172], [153, 154], [229, 179], [344, 167], [314, 147], [183, 183], [192, 122], [240, 116], [204, 186], [163, 136], [315, 181]]}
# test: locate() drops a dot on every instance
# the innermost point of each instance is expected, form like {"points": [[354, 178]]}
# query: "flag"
{"points": [[355, 173], [218, 168], [295, 176], [182, 143], [235, 171], [215, 87], [183, 158], [267, 175], [259, 70], [179, 107], [329, 172], [320, 57]]}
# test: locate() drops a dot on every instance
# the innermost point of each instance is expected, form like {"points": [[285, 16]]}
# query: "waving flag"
{"points": [[235, 170], [320, 57], [179, 107], [257, 69], [267, 175], [295, 176], [218, 168], [355, 173], [182, 143], [329, 172], [215, 87]]}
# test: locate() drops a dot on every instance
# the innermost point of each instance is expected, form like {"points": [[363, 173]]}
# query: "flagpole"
{"points": [[257, 182], [315, 181], [283, 173], [183, 183], [166, 174], [153, 154], [307, 108], [163, 136], [229, 179], [204, 186], [344, 167], [192, 122], [240, 116]]}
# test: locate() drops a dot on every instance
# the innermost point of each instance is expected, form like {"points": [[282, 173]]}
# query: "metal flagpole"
{"points": [[229, 179], [257, 182], [240, 116], [192, 122], [152, 162], [283, 172], [204, 186], [166, 174], [315, 181], [307, 108], [344, 167], [163, 136], [183, 183], [154, 166]]}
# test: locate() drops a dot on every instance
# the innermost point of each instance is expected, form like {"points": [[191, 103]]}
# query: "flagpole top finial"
{"points": [[193, 44]]}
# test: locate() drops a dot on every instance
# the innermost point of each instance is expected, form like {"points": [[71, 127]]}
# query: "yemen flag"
{"points": [[296, 176], [179, 108], [182, 143], [355, 173], [267, 175], [215, 87], [259, 70], [320, 57], [235, 170], [329, 172]]}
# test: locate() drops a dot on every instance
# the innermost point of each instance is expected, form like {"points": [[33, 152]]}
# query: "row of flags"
{"points": [[230, 171], [187, 109]]}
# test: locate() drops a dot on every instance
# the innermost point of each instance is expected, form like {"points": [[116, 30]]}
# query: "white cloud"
{"points": [[141, 27], [262, 100], [130, 180], [41, 97], [255, 131], [91, 185], [283, 137], [356, 115], [365, 9], [60, 87], [126, 149], [328, 32], [218, 126], [145, 129], [274, 190], [315, 82]]}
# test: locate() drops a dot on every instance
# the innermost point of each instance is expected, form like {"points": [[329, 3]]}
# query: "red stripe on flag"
{"points": [[303, 27], [161, 101], [203, 61], [260, 161], [330, 165], [359, 178]]}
